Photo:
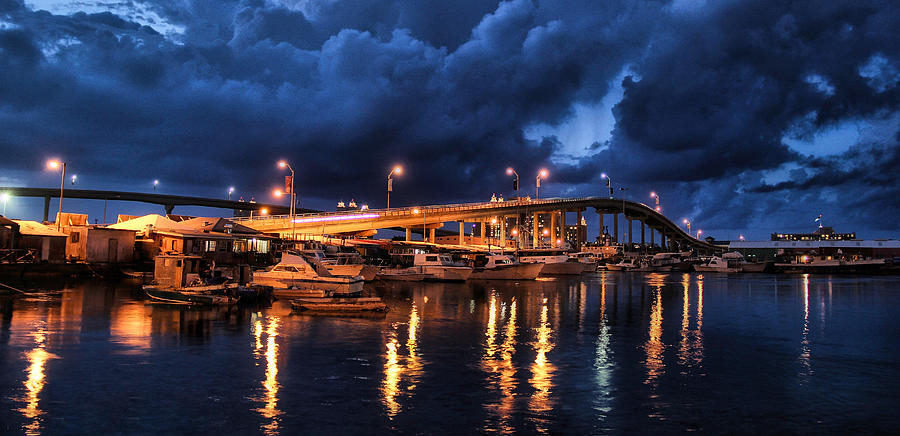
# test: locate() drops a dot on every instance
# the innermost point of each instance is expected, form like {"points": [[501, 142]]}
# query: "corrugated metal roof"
{"points": [[874, 243]]}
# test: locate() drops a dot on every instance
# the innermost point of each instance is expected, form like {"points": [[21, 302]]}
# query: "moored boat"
{"points": [[294, 272], [339, 305], [555, 261], [183, 296], [505, 267], [730, 262], [626, 264]]}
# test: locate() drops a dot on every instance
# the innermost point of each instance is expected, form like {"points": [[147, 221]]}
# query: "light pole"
{"points": [[390, 183], [4, 197], [511, 172], [74, 177], [688, 223], [283, 164], [608, 184], [230, 191], [542, 174], [698, 233], [155, 183], [656, 196], [53, 164]]}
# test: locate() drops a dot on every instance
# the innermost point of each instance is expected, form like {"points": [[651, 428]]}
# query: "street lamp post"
{"points": [[511, 172], [698, 233], [542, 174], [608, 184], [688, 223], [390, 183], [230, 191], [656, 196], [155, 183], [62, 179], [283, 164]]}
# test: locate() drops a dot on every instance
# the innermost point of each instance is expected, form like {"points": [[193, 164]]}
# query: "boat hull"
{"points": [[445, 273], [562, 269], [368, 272], [403, 276], [337, 285], [173, 296], [523, 271], [339, 305], [717, 269]]}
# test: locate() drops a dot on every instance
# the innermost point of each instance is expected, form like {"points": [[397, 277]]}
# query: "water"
{"points": [[611, 353]]}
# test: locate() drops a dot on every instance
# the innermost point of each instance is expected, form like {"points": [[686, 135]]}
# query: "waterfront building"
{"points": [[821, 234], [759, 251], [48, 244], [93, 243]]}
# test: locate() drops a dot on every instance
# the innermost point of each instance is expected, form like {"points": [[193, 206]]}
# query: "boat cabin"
{"points": [[428, 259]]}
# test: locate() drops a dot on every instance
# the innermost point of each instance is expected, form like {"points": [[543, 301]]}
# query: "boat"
{"points": [[757, 267], [184, 296], [404, 275], [555, 261], [626, 264], [339, 305], [342, 264], [505, 267], [730, 262], [830, 264], [646, 264], [293, 272], [587, 259]]}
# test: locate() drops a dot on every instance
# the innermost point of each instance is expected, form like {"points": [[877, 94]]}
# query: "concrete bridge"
{"points": [[167, 201], [550, 214]]}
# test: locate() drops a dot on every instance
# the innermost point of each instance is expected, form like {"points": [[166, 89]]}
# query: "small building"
{"points": [[49, 244], [95, 244], [821, 234]]}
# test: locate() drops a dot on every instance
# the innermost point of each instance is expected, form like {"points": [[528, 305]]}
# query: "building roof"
{"points": [[884, 243], [34, 228], [158, 222], [212, 224]]}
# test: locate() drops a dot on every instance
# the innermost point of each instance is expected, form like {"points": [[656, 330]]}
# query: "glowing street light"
{"points": [[398, 170], [698, 233], [277, 193], [74, 177], [688, 223], [230, 191], [608, 184], [4, 197], [155, 184], [542, 174], [283, 164], [741, 237], [54, 165], [511, 172], [656, 196]]}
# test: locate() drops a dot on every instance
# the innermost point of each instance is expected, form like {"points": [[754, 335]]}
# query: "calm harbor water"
{"points": [[605, 353]]}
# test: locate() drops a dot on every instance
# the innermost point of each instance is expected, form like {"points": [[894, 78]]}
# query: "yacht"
{"points": [[505, 267], [342, 264], [429, 267], [587, 259], [830, 264], [626, 264], [294, 272], [730, 262], [555, 261]]}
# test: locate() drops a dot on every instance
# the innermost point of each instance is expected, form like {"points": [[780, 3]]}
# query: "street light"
{"points": [[4, 197], [390, 183], [608, 184], [53, 165], [155, 184], [74, 177], [542, 174], [230, 191], [283, 164], [688, 223], [698, 233], [511, 172], [656, 196]]}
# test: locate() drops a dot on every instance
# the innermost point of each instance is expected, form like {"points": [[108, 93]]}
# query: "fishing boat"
{"points": [[293, 272], [730, 262], [555, 261], [505, 267]]}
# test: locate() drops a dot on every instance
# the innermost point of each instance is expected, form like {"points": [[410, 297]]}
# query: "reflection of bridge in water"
{"points": [[552, 210]]}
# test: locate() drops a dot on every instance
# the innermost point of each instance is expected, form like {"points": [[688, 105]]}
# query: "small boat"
{"points": [[646, 265], [730, 262], [626, 264], [555, 261], [587, 259], [758, 267], [183, 296], [339, 305], [505, 267], [294, 272], [404, 275], [253, 294]]}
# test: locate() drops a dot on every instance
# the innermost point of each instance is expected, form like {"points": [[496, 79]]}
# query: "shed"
{"points": [[49, 243]]}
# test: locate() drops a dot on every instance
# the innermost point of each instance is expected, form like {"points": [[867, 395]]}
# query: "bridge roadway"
{"points": [[432, 217], [167, 201]]}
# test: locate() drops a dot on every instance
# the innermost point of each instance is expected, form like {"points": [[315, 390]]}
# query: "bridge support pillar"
{"points": [[651, 236], [462, 233], [46, 208], [562, 226], [643, 244], [481, 227], [535, 235], [662, 240], [408, 234], [431, 237], [600, 232], [502, 233], [578, 239], [616, 226], [169, 209], [553, 223], [630, 231]]}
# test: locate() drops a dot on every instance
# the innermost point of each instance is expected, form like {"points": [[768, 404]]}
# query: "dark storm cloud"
{"points": [[345, 89]]}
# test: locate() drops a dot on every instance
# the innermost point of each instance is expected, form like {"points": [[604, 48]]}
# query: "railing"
{"points": [[23, 255]]}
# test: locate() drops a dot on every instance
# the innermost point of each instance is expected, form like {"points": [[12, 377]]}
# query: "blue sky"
{"points": [[748, 116]]}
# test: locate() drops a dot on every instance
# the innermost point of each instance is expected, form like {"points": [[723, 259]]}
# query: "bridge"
{"points": [[551, 212], [167, 201]]}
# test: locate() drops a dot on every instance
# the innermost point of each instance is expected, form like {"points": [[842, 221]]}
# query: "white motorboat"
{"points": [[730, 262], [342, 264], [626, 264], [556, 262], [587, 259], [440, 267], [505, 267], [294, 272]]}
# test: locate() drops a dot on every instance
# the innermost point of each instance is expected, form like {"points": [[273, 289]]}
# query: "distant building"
{"points": [[769, 250], [821, 234], [95, 244]]}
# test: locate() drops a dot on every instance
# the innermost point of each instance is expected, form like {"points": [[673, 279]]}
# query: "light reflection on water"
{"points": [[609, 353]]}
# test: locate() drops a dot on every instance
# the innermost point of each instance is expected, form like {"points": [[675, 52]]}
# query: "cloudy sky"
{"points": [[746, 116]]}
